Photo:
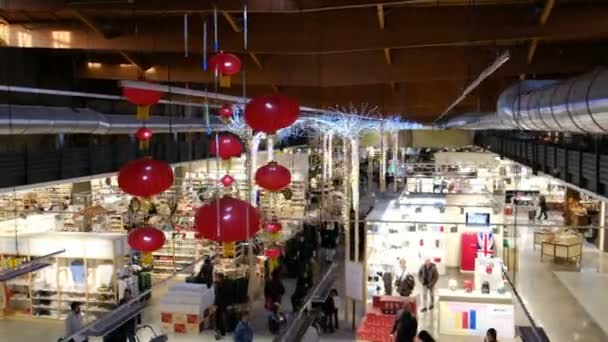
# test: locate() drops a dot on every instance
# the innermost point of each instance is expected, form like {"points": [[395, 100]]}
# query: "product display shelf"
{"points": [[180, 250], [293, 208], [71, 276]]}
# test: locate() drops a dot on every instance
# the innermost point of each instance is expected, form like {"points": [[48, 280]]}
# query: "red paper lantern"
{"points": [[272, 252], [143, 134], [227, 180], [273, 227], [225, 111], [273, 177], [146, 239], [227, 219], [271, 112], [145, 177], [225, 64], [229, 146], [143, 99]]}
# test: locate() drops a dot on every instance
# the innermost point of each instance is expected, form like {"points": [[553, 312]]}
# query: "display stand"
{"points": [[473, 313]]}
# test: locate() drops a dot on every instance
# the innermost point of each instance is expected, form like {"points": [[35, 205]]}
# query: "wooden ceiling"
{"points": [[409, 57]]}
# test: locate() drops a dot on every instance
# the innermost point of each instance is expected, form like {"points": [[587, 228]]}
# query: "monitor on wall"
{"points": [[478, 219]]}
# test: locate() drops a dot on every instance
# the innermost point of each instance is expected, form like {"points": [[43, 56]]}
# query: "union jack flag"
{"points": [[485, 243]]}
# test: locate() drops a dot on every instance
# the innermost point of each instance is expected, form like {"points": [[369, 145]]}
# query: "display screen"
{"points": [[478, 219]]}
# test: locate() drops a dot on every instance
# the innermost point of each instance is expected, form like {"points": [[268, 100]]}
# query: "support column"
{"points": [[383, 145], [370, 169], [395, 158], [602, 232], [346, 222]]}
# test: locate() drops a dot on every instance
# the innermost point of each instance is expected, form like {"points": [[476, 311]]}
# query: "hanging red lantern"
{"points": [[229, 146], [145, 177], [273, 177], [271, 112], [227, 180], [273, 227], [272, 252], [143, 134], [143, 99], [225, 111], [146, 239], [227, 219], [225, 65]]}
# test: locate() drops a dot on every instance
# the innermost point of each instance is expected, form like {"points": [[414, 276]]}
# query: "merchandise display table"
{"points": [[569, 250], [541, 236], [473, 313]]}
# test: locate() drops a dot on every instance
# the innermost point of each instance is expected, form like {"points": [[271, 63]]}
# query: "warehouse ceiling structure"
{"points": [[411, 57]]}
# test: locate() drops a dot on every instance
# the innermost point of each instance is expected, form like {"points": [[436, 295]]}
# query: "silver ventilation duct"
{"points": [[57, 120], [577, 105]]}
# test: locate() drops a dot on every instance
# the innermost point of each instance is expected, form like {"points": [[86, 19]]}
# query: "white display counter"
{"points": [[464, 313], [494, 278]]}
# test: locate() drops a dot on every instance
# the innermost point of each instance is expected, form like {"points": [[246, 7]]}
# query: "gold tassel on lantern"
{"points": [[144, 145], [227, 164], [273, 263], [228, 249], [147, 259], [143, 113], [224, 81]]}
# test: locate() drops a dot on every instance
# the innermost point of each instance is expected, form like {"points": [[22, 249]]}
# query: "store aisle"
{"points": [[550, 303]]}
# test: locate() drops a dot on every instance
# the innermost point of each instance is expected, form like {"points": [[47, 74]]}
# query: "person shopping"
{"points": [[405, 327], [542, 204], [424, 336], [491, 335], [222, 300], [205, 275], [428, 276], [273, 290], [73, 323]]}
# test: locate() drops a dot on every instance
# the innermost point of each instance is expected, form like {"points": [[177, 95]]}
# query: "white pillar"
{"points": [[383, 143], [395, 158], [602, 233]]}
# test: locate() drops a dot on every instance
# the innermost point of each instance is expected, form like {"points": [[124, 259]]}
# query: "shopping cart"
{"points": [[155, 336]]}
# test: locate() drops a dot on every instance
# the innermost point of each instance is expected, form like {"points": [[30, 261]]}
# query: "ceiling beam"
{"points": [[275, 88], [337, 34], [544, 17], [256, 60], [380, 11], [425, 65], [387, 56], [393, 86], [230, 19], [89, 22]]}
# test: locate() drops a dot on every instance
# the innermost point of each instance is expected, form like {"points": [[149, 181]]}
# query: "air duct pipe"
{"points": [[577, 105], [61, 120]]}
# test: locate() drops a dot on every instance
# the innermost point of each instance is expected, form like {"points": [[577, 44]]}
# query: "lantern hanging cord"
{"points": [[217, 202], [205, 65], [216, 44], [186, 35]]}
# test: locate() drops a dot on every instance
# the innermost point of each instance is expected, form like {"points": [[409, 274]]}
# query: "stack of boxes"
{"points": [[185, 308]]}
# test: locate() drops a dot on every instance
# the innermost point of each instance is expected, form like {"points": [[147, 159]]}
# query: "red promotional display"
{"points": [[227, 145], [271, 112], [273, 177], [146, 239], [145, 177], [227, 219], [468, 251]]}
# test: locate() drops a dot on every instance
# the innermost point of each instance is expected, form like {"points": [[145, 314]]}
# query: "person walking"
{"points": [[428, 276], [222, 300], [276, 320], [542, 204], [73, 323], [243, 331], [205, 274], [491, 335], [129, 326], [273, 289], [405, 327]]}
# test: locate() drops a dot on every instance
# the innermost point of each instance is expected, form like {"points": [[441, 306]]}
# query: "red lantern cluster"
{"points": [[225, 112], [271, 112], [225, 64], [227, 180], [273, 177], [227, 219], [226, 145], [146, 239], [145, 177]]}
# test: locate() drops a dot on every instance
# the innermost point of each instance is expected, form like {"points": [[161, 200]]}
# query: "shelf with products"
{"points": [[85, 272]]}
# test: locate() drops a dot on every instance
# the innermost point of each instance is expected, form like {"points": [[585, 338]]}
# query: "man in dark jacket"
{"points": [[428, 277], [222, 300], [542, 204], [405, 327], [274, 289], [206, 273]]}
